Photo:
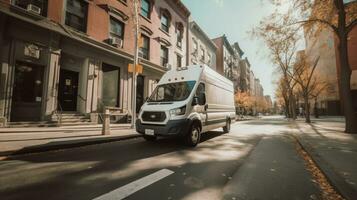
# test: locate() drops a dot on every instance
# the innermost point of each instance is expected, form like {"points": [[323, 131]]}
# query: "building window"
{"points": [[145, 8], [36, 7], [178, 61], [165, 22], [164, 55], [195, 47], [145, 47], [209, 58], [179, 35], [116, 28], [202, 54], [76, 14]]}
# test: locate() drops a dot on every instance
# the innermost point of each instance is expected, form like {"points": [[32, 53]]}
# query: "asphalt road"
{"points": [[256, 160]]}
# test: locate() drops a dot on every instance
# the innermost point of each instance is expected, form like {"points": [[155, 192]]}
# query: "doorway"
{"points": [[27, 92], [68, 90], [139, 92]]}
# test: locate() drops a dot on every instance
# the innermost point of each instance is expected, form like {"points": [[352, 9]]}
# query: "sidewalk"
{"points": [[333, 151], [245, 117], [15, 141]]}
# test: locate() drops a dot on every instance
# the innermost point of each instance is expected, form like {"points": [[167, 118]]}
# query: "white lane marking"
{"points": [[135, 186]]}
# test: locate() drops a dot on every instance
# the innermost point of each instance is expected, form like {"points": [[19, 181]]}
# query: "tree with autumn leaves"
{"points": [[280, 31], [249, 102]]}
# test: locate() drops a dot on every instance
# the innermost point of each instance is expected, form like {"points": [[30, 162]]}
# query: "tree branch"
{"points": [[350, 26], [333, 27]]}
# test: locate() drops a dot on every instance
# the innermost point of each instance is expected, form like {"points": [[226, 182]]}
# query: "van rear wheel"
{"points": [[193, 136], [227, 128], [149, 138]]}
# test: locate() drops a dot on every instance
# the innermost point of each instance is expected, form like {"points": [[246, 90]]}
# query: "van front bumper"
{"points": [[171, 128]]}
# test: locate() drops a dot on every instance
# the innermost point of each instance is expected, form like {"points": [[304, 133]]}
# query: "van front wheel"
{"points": [[227, 128], [193, 136]]}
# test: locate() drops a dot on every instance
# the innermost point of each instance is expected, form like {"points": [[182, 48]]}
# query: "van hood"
{"points": [[162, 106]]}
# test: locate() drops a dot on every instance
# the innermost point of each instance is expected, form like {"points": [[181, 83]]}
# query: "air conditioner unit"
{"points": [[115, 41], [167, 66], [33, 9]]}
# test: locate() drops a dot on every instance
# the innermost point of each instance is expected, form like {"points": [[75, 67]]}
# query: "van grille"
{"points": [[153, 116]]}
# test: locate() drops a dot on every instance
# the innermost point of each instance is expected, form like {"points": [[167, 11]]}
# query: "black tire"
{"points": [[227, 128], [193, 136], [149, 138]]}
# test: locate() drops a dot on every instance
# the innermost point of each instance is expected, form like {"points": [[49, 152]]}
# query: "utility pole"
{"points": [[136, 54]]}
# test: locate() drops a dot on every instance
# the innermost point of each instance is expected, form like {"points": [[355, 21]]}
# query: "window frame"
{"points": [[44, 7], [113, 34], [164, 27], [85, 18], [178, 58], [148, 12], [162, 59], [147, 57]]}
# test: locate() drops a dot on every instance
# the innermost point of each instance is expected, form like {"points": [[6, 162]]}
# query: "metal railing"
{"points": [[58, 114]]}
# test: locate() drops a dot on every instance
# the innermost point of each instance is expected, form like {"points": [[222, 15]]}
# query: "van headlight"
{"points": [[178, 111]]}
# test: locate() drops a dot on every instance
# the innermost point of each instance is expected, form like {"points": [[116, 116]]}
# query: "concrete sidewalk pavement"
{"points": [[33, 140], [334, 151]]}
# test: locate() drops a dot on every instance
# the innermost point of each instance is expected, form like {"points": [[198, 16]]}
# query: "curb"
{"points": [[66, 145], [336, 181]]}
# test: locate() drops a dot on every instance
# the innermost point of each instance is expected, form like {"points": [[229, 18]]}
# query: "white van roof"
{"points": [[193, 73], [190, 73]]}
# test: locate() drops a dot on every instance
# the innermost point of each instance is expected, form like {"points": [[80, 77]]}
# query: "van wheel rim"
{"points": [[194, 135]]}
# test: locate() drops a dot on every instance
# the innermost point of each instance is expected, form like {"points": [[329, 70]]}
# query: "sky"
{"points": [[235, 19]]}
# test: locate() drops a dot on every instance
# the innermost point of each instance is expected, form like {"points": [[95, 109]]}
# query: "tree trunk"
{"points": [[345, 87], [307, 109], [345, 71], [292, 104]]}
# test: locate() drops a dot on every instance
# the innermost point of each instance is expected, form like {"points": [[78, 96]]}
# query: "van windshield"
{"points": [[172, 92]]}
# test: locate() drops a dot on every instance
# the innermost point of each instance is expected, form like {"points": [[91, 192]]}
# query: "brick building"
{"points": [[224, 56], [72, 55]]}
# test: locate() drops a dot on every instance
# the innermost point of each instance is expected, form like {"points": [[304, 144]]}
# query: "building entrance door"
{"points": [[68, 90], [27, 92]]}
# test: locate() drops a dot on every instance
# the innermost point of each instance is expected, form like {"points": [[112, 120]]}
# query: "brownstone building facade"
{"points": [[224, 56], [71, 56]]}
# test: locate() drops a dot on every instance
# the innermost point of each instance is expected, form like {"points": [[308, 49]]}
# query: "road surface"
{"points": [[256, 160]]}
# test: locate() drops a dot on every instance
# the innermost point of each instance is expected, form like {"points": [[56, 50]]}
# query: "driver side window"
{"points": [[200, 93]]}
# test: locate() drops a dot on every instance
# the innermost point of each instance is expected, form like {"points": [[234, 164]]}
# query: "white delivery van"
{"points": [[187, 102]]}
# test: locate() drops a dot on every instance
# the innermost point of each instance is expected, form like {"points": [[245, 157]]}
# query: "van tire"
{"points": [[193, 136], [227, 128], [149, 138]]}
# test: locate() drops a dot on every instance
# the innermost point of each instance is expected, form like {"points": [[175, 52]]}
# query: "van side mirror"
{"points": [[195, 101], [202, 99]]}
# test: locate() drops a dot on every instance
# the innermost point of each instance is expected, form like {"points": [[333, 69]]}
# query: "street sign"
{"points": [[130, 68], [138, 68]]}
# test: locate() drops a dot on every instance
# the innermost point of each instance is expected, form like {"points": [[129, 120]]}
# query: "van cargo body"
{"points": [[186, 102]]}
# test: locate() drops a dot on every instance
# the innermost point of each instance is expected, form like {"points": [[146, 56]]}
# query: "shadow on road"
{"points": [[88, 172]]}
